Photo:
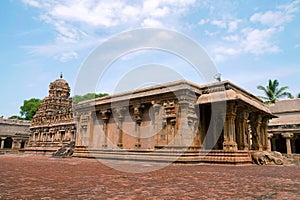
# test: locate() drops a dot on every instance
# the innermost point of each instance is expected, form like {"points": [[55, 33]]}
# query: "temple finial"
{"points": [[61, 75]]}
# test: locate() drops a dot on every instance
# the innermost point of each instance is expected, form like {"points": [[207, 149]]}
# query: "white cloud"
{"points": [[78, 20], [219, 23], [271, 18], [259, 41], [203, 21], [33, 3], [233, 25], [232, 38]]}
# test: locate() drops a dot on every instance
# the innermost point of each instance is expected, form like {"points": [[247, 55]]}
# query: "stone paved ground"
{"points": [[25, 177]]}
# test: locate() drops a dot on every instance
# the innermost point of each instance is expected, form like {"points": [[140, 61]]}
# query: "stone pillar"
{"points": [[156, 108], [242, 128], [255, 123], [182, 138], [2, 142], [264, 132], [120, 116], [288, 137], [137, 112], [77, 138], [229, 128], [105, 117], [270, 135]]}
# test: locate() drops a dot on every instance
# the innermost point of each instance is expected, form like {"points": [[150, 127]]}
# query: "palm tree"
{"points": [[273, 92]]}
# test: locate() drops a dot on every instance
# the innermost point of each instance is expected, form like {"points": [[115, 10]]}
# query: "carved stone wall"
{"points": [[53, 124], [14, 134]]}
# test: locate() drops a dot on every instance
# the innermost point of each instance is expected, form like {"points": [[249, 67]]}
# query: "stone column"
{"points": [[242, 128], [270, 135], [120, 116], [77, 138], [2, 142], [255, 123], [229, 128], [264, 132], [182, 137], [137, 112], [105, 117], [156, 108], [288, 137]]}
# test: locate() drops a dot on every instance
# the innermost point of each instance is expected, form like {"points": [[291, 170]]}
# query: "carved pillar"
{"points": [[255, 123], [264, 132], [105, 117], [242, 128], [156, 108], [120, 116], [2, 142], [137, 112], [78, 128], [270, 135], [288, 137], [91, 126], [229, 128], [182, 137]]}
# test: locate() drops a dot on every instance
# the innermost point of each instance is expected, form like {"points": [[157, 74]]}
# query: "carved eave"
{"points": [[226, 91], [148, 94]]}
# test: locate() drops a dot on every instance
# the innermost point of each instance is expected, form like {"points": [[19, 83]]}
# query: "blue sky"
{"points": [[250, 41]]}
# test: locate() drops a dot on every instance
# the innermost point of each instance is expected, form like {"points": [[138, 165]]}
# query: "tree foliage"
{"points": [[88, 96], [273, 92], [29, 108], [298, 95], [16, 117]]}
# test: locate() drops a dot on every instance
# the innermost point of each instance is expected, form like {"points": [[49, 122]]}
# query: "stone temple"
{"points": [[217, 123], [53, 125], [178, 121]]}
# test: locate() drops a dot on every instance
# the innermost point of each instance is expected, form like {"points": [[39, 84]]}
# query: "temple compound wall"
{"points": [[53, 125], [178, 116], [284, 131], [14, 134]]}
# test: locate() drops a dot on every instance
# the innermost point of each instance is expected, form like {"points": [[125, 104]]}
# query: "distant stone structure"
{"points": [[284, 131], [173, 119], [14, 134], [53, 126]]}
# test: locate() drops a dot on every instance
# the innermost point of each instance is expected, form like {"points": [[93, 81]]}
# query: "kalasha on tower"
{"points": [[53, 125]]}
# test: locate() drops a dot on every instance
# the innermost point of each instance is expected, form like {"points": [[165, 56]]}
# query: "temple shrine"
{"points": [[178, 121], [53, 125]]}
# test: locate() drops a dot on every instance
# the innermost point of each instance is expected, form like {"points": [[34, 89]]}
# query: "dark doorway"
{"points": [[297, 146], [8, 143], [22, 145], [280, 144]]}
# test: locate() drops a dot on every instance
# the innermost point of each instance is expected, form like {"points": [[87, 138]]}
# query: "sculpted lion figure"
{"points": [[266, 158]]}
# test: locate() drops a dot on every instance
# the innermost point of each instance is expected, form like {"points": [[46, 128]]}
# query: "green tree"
{"points": [[298, 95], [273, 92], [88, 96], [29, 108], [16, 117]]}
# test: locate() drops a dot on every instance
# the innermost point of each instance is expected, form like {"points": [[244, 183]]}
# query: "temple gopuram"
{"points": [[178, 121], [53, 125]]}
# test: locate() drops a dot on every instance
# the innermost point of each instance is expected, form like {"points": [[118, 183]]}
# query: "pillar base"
{"points": [[230, 146]]}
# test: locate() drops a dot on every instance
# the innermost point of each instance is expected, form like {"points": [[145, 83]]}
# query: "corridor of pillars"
{"points": [[244, 128]]}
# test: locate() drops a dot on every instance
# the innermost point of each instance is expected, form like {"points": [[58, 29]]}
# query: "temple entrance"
{"points": [[280, 144], [8, 143], [22, 145], [210, 130], [296, 145]]}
